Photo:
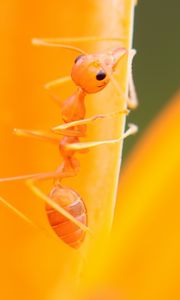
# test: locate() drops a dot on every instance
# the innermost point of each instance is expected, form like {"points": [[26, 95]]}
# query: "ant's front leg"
{"points": [[131, 99], [55, 83], [17, 212], [37, 191], [24, 217]]}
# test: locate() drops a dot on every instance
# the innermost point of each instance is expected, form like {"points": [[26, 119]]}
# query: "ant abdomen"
{"points": [[71, 201]]}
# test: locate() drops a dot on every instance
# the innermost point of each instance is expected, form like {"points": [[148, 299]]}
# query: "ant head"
{"points": [[92, 72]]}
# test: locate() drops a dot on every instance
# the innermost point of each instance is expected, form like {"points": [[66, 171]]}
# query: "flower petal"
{"points": [[46, 267], [144, 261]]}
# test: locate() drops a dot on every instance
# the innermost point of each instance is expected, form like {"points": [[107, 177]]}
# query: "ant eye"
{"points": [[77, 58], [100, 75]]}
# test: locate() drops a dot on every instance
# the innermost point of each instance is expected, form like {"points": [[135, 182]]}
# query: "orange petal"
{"points": [[144, 260], [35, 266]]}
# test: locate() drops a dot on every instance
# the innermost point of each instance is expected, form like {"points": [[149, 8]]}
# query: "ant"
{"points": [[91, 73]]}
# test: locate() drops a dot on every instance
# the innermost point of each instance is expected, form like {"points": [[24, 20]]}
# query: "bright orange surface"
{"points": [[144, 260], [34, 265]]}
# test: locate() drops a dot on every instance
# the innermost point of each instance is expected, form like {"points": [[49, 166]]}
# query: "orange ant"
{"points": [[91, 73]]}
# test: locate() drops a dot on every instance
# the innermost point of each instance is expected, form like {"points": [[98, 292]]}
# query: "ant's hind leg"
{"points": [[60, 173], [17, 212], [21, 215], [37, 176], [30, 181], [57, 207]]}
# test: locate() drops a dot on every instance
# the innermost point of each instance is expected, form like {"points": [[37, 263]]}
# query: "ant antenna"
{"points": [[40, 42], [83, 39]]}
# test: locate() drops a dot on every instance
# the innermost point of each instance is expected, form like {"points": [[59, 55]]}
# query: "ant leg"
{"points": [[40, 135], [39, 176], [31, 179], [57, 207], [55, 97], [24, 217], [74, 132], [17, 212], [57, 82], [132, 100], [63, 127], [80, 146], [59, 173], [54, 83]]}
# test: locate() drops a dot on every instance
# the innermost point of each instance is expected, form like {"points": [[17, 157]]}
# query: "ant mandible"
{"points": [[91, 73]]}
